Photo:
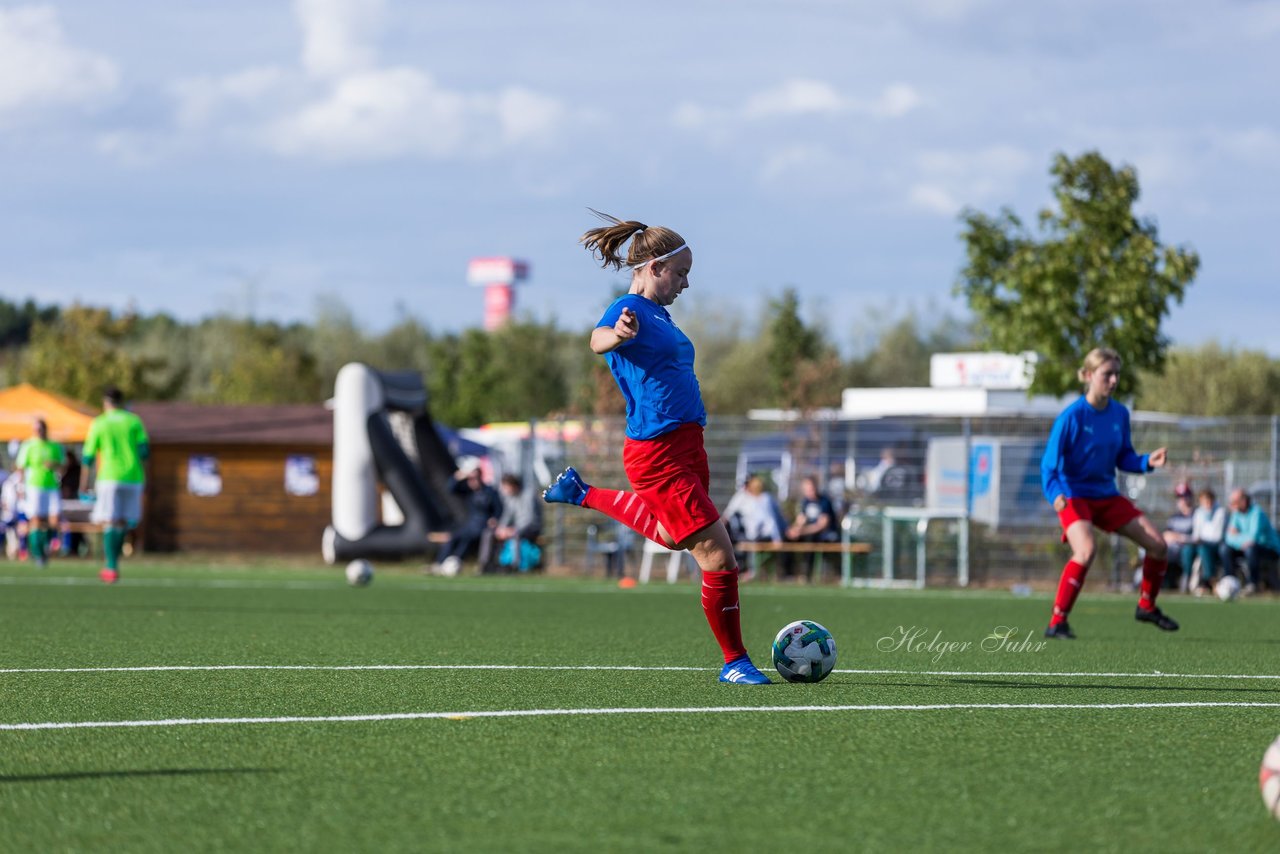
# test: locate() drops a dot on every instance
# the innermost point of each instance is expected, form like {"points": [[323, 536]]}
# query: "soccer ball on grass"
{"points": [[804, 651], [359, 573], [1227, 588]]}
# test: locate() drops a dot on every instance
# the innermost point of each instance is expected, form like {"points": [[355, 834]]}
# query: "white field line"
{"points": [[181, 667], [1064, 674], [529, 713], [468, 585]]}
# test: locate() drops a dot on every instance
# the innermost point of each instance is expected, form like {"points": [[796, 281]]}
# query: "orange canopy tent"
{"points": [[68, 419]]}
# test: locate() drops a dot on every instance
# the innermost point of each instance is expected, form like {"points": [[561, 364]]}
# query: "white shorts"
{"points": [[42, 503], [117, 502]]}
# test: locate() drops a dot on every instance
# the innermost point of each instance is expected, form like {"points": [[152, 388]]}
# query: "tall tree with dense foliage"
{"points": [[802, 364], [82, 350], [1095, 276], [1214, 381]]}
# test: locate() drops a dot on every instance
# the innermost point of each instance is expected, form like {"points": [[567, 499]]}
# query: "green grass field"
{"points": [[901, 749]]}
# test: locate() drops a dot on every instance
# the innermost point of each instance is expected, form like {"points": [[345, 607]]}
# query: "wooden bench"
{"points": [[816, 549]]}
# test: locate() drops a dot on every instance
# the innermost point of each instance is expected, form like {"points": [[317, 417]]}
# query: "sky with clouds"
{"points": [[263, 156]]}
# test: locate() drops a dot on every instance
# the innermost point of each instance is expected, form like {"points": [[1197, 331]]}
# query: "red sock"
{"points": [[1152, 577], [624, 507], [720, 604], [1068, 589]]}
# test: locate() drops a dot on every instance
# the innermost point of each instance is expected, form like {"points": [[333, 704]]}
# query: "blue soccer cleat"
{"points": [[568, 489], [741, 671]]}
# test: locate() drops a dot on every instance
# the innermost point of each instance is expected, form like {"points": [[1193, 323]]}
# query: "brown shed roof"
{"points": [[184, 423]]}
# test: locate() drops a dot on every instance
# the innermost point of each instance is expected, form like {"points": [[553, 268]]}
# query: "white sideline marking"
{"points": [[623, 667], [530, 713], [168, 667], [1155, 674]]}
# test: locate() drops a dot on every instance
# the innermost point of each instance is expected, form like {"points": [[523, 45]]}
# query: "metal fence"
{"points": [[984, 470]]}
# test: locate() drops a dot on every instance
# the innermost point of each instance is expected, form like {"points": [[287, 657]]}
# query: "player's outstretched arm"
{"points": [[607, 338]]}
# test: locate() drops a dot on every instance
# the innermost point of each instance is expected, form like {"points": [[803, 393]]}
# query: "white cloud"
{"points": [[339, 104], [376, 114], [896, 100], [794, 97], [816, 97], [690, 116], [527, 116], [202, 99], [950, 180], [339, 35], [933, 199], [39, 68], [1256, 146]]}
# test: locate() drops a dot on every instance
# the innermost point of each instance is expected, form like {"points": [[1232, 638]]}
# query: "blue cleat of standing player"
{"points": [[741, 671], [568, 489]]}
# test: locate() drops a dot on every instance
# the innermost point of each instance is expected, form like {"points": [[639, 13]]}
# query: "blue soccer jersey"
{"points": [[1085, 448], [654, 370]]}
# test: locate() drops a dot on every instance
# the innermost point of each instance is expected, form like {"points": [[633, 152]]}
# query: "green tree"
{"points": [[16, 321], [83, 349], [901, 349], [247, 362], [1213, 381], [1096, 276], [801, 363]]}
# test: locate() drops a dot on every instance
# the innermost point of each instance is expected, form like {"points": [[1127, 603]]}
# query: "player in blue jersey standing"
{"points": [[652, 363], [1089, 441]]}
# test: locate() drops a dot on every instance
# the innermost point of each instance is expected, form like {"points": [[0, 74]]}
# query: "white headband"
{"points": [[676, 251]]}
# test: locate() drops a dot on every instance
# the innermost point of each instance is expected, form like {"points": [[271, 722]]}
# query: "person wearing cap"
{"points": [[117, 447], [484, 506], [664, 457]]}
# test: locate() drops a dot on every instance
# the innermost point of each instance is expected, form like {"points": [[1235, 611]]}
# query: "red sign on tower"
{"points": [[498, 277]]}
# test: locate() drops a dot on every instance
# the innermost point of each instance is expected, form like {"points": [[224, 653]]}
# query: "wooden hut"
{"points": [[237, 478]]}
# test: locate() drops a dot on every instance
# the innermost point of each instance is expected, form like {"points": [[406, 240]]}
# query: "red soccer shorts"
{"points": [[1109, 514], [671, 476]]}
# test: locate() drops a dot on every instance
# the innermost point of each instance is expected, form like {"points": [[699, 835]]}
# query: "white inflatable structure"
{"points": [[383, 435]]}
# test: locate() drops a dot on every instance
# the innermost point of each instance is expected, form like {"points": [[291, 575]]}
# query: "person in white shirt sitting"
{"points": [[1208, 524]]}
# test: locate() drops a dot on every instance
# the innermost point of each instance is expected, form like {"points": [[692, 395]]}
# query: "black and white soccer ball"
{"points": [[359, 573]]}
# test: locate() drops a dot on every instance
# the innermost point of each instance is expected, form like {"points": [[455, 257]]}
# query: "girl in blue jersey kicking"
{"points": [[652, 363], [1089, 441]]}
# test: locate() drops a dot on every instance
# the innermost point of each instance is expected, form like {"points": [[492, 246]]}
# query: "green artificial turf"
{"points": [[940, 779]]}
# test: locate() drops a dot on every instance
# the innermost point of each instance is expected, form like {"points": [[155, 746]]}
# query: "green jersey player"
{"points": [[118, 444], [40, 461]]}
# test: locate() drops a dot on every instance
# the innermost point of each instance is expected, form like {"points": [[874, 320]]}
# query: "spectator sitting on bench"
{"points": [[1209, 523], [483, 509], [753, 515], [815, 522], [1250, 536], [518, 526], [1178, 536]]}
